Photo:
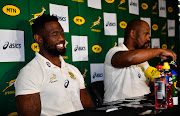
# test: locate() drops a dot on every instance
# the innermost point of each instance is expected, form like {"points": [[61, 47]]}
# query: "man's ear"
{"points": [[132, 34], [37, 38]]}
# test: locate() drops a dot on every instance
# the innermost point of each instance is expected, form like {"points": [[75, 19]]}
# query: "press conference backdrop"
{"points": [[91, 28]]}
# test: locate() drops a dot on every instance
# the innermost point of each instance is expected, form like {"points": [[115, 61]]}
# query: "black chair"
{"points": [[97, 91]]}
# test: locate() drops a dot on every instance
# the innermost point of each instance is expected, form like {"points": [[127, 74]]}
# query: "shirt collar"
{"points": [[47, 64]]}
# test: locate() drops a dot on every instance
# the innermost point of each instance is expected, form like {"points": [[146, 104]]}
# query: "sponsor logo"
{"points": [[53, 79], [97, 75], [85, 71], [11, 10], [139, 75], [79, 48], [35, 47], [154, 7], [97, 22], [110, 24], [164, 46], [115, 44], [163, 29], [11, 45], [121, 3], [144, 6], [37, 15], [109, 1], [154, 27], [66, 83], [72, 75], [155, 46], [96, 49], [48, 64], [123, 24], [79, 20], [60, 18], [84, 75], [78, 0], [10, 84], [133, 4], [171, 28], [170, 9], [162, 8]]}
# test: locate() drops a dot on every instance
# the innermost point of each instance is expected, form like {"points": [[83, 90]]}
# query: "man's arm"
{"points": [[126, 58], [85, 99], [28, 105]]}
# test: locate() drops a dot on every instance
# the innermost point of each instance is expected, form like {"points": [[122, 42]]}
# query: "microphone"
{"points": [[151, 72]]}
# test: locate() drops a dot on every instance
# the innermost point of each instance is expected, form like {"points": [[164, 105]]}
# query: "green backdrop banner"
{"points": [[97, 25]]}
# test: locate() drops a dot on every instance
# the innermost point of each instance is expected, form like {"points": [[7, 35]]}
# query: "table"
{"points": [[142, 105]]}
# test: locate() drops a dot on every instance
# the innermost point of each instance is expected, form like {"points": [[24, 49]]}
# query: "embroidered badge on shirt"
{"points": [[53, 79], [48, 64], [142, 67], [66, 83], [139, 75], [72, 75]]}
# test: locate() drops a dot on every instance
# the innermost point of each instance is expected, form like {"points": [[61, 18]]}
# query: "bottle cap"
{"points": [[166, 65], [159, 67], [173, 72]]}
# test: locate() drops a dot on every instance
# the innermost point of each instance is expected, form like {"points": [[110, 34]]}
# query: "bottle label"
{"points": [[159, 95]]}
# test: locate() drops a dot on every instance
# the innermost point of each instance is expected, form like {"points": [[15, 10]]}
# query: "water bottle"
{"points": [[160, 89], [169, 84]]}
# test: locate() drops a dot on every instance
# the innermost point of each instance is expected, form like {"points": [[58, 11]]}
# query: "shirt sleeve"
{"points": [[110, 54], [28, 81], [145, 65]]}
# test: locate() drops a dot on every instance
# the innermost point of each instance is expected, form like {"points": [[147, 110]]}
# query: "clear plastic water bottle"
{"points": [[160, 89]]}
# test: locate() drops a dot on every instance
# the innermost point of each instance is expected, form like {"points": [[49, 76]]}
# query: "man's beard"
{"points": [[53, 50], [144, 46]]}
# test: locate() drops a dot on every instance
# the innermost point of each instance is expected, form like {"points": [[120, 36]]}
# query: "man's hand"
{"points": [[168, 53]]}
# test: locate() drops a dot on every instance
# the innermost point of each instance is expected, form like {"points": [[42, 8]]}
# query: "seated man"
{"points": [[48, 85], [124, 77]]}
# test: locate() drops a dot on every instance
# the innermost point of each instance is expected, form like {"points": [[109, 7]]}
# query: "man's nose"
{"points": [[148, 38], [61, 38]]}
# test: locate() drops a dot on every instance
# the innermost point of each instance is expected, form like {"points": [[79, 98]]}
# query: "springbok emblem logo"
{"points": [[85, 71], [155, 6], [96, 22], [37, 15], [121, 2], [163, 29], [11, 83]]}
